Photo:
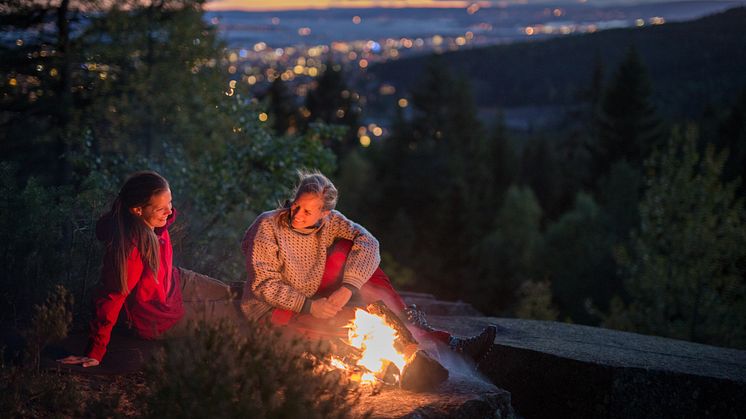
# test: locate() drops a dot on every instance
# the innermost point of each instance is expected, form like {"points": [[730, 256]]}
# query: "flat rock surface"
{"points": [[434, 307], [562, 370], [604, 346], [461, 396]]}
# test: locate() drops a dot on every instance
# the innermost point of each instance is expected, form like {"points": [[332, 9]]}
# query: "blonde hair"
{"points": [[314, 182]]}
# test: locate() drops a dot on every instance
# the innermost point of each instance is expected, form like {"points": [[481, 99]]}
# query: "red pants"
{"points": [[378, 287]]}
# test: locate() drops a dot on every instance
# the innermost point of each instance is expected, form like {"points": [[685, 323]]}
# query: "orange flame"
{"points": [[375, 339]]}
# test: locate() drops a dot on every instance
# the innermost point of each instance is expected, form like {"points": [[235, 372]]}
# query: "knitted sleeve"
{"points": [[263, 266], [364, 256]]}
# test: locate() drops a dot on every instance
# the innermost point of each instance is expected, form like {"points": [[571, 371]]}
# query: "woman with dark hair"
{"points": [[307, 261], [137, 271]]}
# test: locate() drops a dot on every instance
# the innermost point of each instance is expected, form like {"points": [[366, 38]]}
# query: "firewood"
{"points": [[405, 340]]}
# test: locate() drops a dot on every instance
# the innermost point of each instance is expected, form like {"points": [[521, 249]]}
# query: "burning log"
{"points": [[380, 351], [422, 373], [406, 343]]}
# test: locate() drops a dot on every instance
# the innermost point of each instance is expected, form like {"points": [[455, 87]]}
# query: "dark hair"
{"points": [[128, 229]]}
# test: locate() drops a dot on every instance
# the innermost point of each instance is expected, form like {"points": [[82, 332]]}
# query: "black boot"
{"points": [[417, 317], [475, 347]]}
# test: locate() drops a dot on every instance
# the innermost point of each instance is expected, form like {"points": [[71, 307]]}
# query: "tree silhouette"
{"points": [[283, 111], [628, 126], [686, 264], [36, 105], [333, 102]]}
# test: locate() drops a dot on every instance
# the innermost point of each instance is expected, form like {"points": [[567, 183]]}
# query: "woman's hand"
{"points": [[79, 360], [322, 309], [340, 297]]}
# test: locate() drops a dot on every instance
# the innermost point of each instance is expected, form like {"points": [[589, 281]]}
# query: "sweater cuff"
{"points": [[351, 288], [96, 352], [357, 283]]}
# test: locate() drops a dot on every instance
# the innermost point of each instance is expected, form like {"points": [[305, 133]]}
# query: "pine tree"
{"points": [[687, 262], [628, 126], [540, 170], [283, 112], [732, 137], [37, 121], [441, 172], [508, 255], [334, 102], [578, 260]]}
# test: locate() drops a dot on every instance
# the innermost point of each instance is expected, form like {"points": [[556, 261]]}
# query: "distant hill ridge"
{"points": [[690, 64]]}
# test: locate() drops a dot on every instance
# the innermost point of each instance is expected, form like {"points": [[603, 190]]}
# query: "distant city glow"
{"points": [[264, 5]]}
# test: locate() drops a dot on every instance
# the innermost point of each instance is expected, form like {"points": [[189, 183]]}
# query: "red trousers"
{"points": [[378, 287]]}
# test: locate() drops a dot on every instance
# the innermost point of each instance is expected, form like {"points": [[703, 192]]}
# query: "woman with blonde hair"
{"points": [[306, 262]]}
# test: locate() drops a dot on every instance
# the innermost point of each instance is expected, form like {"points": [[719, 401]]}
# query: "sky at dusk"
{"points": [[256, 5]]}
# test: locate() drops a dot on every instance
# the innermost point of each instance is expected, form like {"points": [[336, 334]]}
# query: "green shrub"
{"points": [[220, 371], [50, 322]]}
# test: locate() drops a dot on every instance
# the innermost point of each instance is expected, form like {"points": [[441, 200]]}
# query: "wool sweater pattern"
{"points": [[285, 266]]}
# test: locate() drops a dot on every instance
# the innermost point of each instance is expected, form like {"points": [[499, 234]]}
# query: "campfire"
{"points": [[380, 351]]}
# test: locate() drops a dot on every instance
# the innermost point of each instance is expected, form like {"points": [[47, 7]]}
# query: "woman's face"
{"points": [[156, 212], [306, 211]]}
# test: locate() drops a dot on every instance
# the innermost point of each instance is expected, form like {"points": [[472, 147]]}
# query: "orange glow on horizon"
{"points": [[283, 5]]}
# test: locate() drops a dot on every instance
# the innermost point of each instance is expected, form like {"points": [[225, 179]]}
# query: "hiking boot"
{"points": [[475, 347], [417, 317]]}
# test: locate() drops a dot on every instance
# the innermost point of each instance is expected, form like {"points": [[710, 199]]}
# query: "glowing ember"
{"points": [[338, 363]]}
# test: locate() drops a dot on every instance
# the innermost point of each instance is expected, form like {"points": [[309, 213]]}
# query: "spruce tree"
{"points": [[732, 138], [508, 254], [629, 128], [332, 101], [685, 268], [283, 112], [41, 85]]}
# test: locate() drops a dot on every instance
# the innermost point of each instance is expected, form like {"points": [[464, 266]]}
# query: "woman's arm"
{"points": [[108, 303], [263, 265], [364, 255]]}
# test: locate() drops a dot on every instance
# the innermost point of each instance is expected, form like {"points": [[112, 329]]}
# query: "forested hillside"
{"points": [[691, 64]]}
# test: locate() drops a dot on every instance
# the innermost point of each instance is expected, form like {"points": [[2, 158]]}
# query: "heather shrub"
{"points": [[222, 371]]}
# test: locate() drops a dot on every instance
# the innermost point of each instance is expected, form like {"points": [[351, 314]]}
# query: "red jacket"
{"points": [[152, 306]]}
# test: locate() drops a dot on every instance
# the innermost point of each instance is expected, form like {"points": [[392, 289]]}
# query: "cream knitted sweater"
{"points": [[285, 266]]}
